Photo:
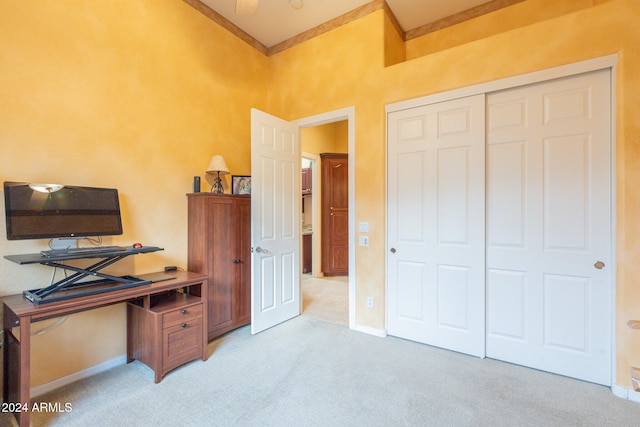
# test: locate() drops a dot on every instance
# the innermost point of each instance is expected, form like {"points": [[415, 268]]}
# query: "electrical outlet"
{"points": [[370, 302], [364, 240]]}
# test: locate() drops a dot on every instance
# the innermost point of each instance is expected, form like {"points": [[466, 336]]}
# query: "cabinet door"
{"points": [[306, 181], [242, 261], [220, 235], [306, 253]]}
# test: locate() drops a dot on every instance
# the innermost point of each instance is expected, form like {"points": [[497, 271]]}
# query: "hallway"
{"points": [[326, 298]]}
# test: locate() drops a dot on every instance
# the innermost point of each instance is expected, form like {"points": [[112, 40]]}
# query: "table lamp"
{"points": [[219, 167]]}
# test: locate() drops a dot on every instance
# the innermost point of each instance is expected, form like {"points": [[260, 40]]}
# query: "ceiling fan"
{"points": [[249, 7]]}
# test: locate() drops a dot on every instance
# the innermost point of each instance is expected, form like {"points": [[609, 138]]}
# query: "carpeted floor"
{"points": [[314, 371], [326, 298], [307, 372]]}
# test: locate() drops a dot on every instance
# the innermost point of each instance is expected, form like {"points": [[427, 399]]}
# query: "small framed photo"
{"points": [[241, 184]]}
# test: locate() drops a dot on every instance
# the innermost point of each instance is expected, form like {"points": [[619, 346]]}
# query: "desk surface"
{"points": [[41, 259], [21, 306]]}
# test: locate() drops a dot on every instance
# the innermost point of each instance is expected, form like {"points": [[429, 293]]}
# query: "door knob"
{"points": [[599, 265], [393, 250], [261, 251]]}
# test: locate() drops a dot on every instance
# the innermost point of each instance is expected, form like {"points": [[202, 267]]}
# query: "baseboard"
{"points": [[625, 393], [619, 391], [61, 382], [371, 331], [633, 396]]}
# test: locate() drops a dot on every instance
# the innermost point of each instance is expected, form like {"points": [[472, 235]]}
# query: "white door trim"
{"points": [[609, 61], [349, 114]]}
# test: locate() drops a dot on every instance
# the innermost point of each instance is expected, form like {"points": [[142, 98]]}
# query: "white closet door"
{"points": [[549, 226], [436, 225]]}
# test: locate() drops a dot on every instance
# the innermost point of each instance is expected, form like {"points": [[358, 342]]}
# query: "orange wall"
{"points": [[329, 138], [139, 95], [509, 18], [136, 95]]}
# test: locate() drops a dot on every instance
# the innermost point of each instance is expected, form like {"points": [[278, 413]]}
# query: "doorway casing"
{"points": [[347, 114]]}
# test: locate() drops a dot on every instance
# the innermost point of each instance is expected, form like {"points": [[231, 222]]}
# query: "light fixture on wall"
{"points": [[217, 166]]}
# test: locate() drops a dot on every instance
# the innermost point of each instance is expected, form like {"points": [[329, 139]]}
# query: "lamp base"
{"points": [[217, 186]]}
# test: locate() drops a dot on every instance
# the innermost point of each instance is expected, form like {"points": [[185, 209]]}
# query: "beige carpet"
{"points": [[326, 298], [307, 372]]}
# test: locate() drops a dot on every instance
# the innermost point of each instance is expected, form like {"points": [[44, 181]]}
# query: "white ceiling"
{"points": [[276, 21]]}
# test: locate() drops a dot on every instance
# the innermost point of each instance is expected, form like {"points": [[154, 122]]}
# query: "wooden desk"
{"points": [[18, 311]]}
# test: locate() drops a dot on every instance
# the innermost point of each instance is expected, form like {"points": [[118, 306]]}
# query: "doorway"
{"points": [[328, 298]]}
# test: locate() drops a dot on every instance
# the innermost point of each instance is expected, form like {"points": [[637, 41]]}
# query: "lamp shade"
{"points": [[218, 165]]}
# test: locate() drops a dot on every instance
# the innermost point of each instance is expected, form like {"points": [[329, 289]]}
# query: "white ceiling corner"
{"points": [[276, 21]]}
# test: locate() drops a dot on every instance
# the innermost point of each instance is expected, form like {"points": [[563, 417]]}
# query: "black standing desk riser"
{"points": [[72, 286]]}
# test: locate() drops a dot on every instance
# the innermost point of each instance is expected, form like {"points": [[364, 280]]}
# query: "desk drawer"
{"points": [[182, 315], [181, 343]]}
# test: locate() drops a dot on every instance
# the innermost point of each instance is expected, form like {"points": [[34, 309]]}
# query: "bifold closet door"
{"points": [[436, 224], [549, 295]]}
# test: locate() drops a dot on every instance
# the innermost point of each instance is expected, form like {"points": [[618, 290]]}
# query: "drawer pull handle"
{"points": [[184, 311], [184, 325]]}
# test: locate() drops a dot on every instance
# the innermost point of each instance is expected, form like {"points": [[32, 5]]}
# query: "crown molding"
{"points": [[348, 17], [228, 25], [459, 17]]}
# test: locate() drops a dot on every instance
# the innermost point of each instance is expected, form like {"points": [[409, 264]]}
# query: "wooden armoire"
{"points": [[335, 214], [219, 245]]}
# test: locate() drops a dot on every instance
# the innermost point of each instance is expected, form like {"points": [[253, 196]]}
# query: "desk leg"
{"points": [[16, 361], [6, 354], [25, 371]]}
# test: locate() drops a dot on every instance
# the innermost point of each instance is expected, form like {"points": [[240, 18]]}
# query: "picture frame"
{"points": [[241, 184]]}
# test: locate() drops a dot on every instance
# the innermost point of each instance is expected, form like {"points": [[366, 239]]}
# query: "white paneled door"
{"points": [[436, 225], [549, 226], [531, 284], [275, 221]]}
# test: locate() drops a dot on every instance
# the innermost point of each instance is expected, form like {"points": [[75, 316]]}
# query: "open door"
{"points": [[275, 221]]}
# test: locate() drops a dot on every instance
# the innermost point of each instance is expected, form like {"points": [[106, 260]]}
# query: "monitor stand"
{"points": [[64, 242]]}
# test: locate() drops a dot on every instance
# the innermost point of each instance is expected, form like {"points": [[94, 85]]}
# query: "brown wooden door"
{"points": [[335, 214]]}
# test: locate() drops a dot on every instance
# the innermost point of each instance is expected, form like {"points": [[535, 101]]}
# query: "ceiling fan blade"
{"points": [[246, 7]]}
